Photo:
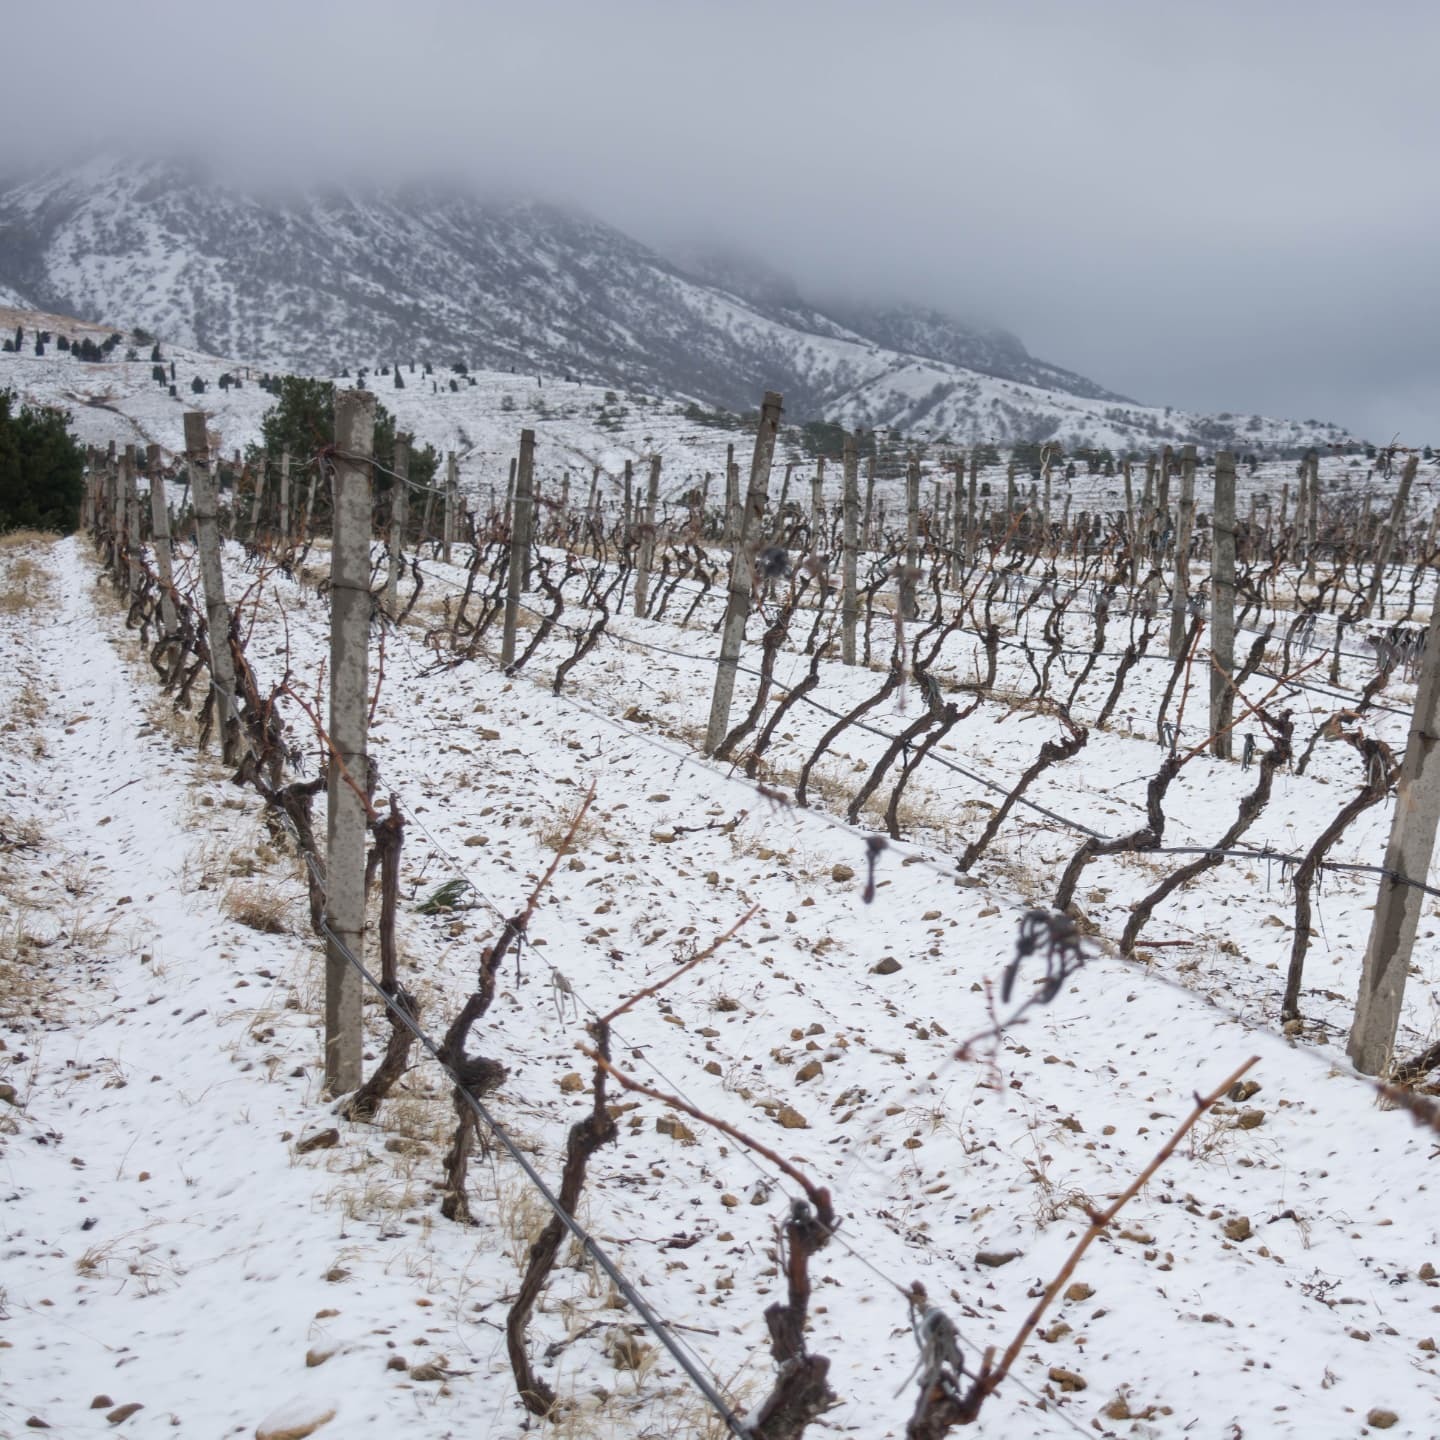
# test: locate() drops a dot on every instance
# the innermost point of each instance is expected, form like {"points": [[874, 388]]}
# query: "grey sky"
{"points": [[1219, 205]]}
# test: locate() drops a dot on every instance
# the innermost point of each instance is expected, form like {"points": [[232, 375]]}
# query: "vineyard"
{"points": [[823, 952]]}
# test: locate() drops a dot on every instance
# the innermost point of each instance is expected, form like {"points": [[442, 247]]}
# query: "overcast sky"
{"points": [[1227, 206]]}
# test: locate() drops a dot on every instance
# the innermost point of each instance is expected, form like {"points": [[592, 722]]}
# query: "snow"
{"points": [[166, 1061]]}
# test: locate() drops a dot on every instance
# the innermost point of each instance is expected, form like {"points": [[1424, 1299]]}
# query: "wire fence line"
{"points": [[682, 1354], [482, 1113]]}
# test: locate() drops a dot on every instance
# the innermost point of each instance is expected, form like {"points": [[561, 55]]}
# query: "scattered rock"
{"points": [[1067, 1379], [1381, 1419], [319, 1354], [888, 966], [1079, 1291], [713, 1067], [1249, 1119], [1244, 1089], [432, 1372], [729, 1201], [994, 1259], [36, 1423], [121, 1413], [808, 1071], [7, 1093], [675, 1129], [294, 1421], [1238, 1228], [841, 873], [321, 1140], [397, 1362], [791, 1119], [102, 1402], [1427, 1271], [572, 1082]]}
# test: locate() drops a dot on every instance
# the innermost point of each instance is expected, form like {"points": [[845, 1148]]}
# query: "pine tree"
{"points": [[41, 469]]}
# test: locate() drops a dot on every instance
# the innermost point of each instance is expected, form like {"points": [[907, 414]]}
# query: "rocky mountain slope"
{"points": [[323, 280]]}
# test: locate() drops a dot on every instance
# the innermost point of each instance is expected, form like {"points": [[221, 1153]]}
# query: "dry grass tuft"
{"points": [[24, 580], [262, 906]]}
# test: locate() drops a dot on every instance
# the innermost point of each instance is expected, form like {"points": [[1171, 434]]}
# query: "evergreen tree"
{"points": [[155, 355], [303, 419], [41, 469], [19, 338]]}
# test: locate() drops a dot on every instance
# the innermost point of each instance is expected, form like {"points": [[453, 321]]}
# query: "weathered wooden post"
{"points": [[1222, 607], [1180, 591], [910, 568], [130, 521], [1398, 905], [817, 507], [849, 599], [519, 545], [212, 580], [737, 608], [869, 495], [646, 558], [399, 519], [160, 539], [1393, 525], [629, 513], [347, 807]]}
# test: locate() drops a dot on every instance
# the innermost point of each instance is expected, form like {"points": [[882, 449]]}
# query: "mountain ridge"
{"points": [[318, 280]]}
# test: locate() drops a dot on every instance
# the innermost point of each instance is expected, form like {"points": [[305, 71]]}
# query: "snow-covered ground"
{"points": [[167, 1244]]}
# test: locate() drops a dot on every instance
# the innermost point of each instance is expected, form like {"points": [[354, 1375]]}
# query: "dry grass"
{"points": [[266, 906]]}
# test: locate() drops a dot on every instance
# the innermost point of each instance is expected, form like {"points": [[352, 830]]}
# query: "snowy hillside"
{"points": [[579, 426], [322, 281]]}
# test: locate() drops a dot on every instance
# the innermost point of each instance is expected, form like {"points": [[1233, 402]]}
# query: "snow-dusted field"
{"points": [[168, 1246]]}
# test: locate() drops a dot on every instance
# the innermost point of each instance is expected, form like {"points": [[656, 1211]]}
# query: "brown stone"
{"points": [[321, 1140]]}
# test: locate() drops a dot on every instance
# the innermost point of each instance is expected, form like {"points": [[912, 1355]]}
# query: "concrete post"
{"points": [[1180, 592], [258, 500], [285, 499], [1222, 607], [399, 519], [1393, 526], [912, 539], [849, 599], [346, 809], [737, 609], [733, 513], [452, 471], [1398, 905]]}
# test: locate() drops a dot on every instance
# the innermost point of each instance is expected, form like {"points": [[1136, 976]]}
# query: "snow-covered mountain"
{"points": [[322, 280]]}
